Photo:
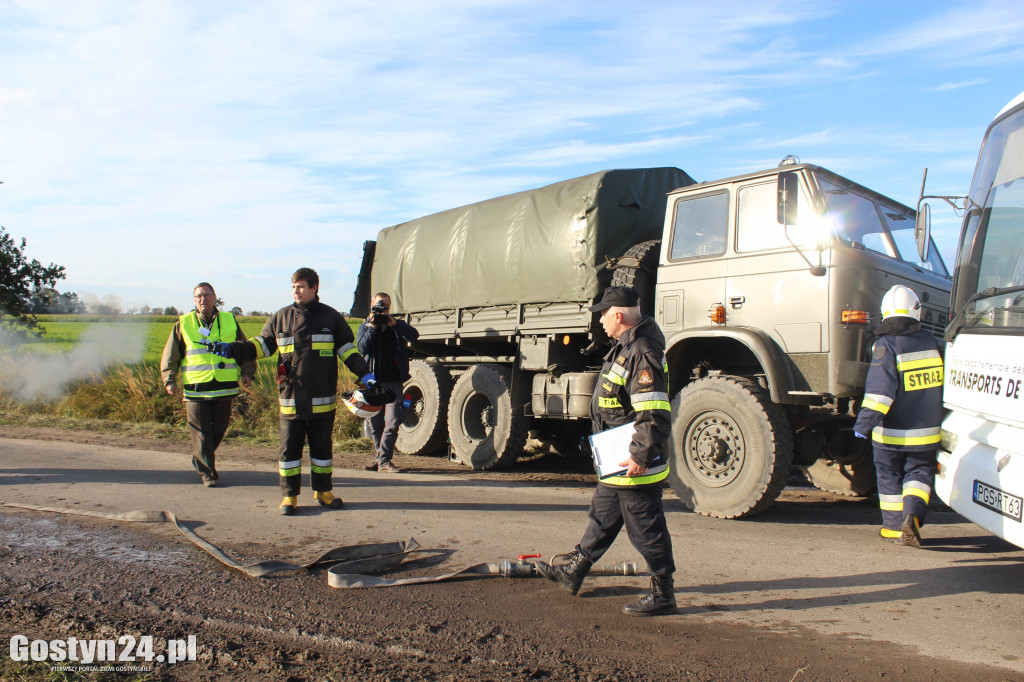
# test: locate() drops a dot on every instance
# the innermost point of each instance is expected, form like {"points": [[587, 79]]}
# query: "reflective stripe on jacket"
{"points": [[204, 374], [902, 405], [633, 388], [311, 339]]}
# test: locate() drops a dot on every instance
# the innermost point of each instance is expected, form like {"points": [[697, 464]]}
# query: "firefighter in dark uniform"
{"points": [[633, 389], [311, 338], [902, 412]]}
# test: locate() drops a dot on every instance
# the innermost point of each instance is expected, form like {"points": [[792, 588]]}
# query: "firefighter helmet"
{"points": [[901, 301], [358, 405]]}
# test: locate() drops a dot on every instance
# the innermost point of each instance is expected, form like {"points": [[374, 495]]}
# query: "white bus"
{"points": [[981, 456]]}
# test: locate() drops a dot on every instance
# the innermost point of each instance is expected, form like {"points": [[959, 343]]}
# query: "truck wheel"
{"points": [[853, 474], [424, 430], [486, 430], [642, 278], [730, 447]]}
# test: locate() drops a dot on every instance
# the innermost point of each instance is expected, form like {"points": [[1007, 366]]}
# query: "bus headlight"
{"points": [[948, 441]]}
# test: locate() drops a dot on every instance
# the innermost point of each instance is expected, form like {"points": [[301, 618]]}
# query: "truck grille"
{"points": [[934, 321]]}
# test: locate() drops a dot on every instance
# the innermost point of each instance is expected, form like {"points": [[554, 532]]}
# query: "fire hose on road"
{"points": [[351, 564]]}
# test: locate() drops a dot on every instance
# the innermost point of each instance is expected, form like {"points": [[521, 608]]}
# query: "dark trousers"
{"points": [[641, 511], [905, 481], [384, 425], [294, 434], [207, 424]]}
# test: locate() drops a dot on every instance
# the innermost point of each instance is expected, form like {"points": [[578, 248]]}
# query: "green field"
{"points": [[62, 333]]}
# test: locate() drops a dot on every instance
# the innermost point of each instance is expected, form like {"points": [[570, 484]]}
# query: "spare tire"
{"points": [[643, 275]]}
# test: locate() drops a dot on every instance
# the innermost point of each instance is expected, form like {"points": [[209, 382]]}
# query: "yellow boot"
{"points": [[288, 505], [327, 499]]}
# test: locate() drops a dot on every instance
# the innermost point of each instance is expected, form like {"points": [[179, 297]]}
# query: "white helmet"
{"points": [[358, 406], [901, 301]]}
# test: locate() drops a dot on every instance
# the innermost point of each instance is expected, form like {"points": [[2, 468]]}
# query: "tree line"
{"points": [[27, 289]]}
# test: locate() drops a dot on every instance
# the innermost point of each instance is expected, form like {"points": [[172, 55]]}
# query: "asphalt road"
{"points": [[811, 560]]}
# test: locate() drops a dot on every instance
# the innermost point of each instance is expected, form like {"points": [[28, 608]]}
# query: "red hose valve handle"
{"points": [[529, 556]]}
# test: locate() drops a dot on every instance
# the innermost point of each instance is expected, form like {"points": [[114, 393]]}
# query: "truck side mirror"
{"points": [[923, 232], [787, 193]]}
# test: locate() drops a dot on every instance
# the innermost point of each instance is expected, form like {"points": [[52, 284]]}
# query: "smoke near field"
{"points": [[28, 376]]}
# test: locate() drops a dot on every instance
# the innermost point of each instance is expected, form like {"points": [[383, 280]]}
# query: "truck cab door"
{"points": [[691, 276], [770, 286]]}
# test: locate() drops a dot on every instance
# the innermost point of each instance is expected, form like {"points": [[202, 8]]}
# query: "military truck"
{"points": [[766, 285]]}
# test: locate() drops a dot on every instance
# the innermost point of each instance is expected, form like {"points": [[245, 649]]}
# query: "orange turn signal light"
{"points": [[718, 314], [856, 317]]}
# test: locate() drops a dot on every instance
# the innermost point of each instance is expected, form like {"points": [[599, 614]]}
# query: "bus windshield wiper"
{"points": [[958, 320]]}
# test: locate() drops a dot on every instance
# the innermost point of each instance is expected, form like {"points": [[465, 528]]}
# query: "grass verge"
{"points": [[131, 399]]}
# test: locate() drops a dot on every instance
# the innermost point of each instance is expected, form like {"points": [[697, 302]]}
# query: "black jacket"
{"points": [[633, 387], [311, 339], [902, 406], [386, 346]]}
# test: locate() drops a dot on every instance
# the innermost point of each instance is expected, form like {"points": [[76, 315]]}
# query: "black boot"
{"points": [[661, 599], [570, 574], [910, 531]]}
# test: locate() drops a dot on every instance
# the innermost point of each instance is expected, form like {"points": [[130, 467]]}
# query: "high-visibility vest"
{"points": [[204, 374]]}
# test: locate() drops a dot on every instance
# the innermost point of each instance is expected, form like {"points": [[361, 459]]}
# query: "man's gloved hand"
{"points": [[222, 349], [368, 379], [858, 434]]}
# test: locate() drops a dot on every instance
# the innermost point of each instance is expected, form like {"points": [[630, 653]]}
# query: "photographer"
{"points": [[381, 340]]}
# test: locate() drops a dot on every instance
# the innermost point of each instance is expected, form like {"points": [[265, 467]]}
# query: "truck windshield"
{"points": [[881, 226], [991, 251]]}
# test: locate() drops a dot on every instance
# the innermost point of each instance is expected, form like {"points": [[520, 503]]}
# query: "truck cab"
{"points": [[768, 292]]}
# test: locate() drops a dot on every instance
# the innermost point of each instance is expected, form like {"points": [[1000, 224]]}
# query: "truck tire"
{"points": [[486, 430], [730, 448], [643, 277], [424, 431], [853, 475]]}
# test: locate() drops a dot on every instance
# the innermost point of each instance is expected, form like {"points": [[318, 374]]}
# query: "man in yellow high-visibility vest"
{"points": [[209, 383]]}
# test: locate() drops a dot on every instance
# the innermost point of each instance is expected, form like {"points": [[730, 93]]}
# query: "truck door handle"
{"points": [[736, 301]]}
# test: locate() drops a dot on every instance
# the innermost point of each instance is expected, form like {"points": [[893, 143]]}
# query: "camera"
{"points": [[378, 313]]}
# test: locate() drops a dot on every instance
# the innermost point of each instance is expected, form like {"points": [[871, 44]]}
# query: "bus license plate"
{"points": [[995, 499]]}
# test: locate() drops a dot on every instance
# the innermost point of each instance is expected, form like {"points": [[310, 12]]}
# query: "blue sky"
{"points": [[148, 145]]}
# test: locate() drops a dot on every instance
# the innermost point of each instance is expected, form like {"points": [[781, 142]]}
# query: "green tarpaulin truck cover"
{"points": [[535, 246]]}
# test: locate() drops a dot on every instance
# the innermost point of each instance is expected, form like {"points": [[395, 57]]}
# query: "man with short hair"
{"points": [[311, 338], [209, 383], [381, 340], [633, 389]]}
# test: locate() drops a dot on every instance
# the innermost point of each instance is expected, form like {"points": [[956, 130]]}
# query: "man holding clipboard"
{"points": [[631, 418]]}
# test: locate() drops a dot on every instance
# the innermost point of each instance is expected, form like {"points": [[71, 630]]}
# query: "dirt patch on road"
{"points": [[69, 576], [78, 577]]}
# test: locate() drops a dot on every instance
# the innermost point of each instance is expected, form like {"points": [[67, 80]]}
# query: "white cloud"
{"points": [[242, 139]]}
